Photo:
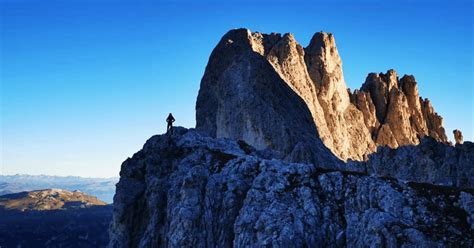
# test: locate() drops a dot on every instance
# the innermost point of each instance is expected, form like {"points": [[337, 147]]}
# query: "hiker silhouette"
{"points": [[170, 121]]}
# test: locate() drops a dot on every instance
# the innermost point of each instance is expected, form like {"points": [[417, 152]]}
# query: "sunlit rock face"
{"points": [[271, 92], [190, 190], [346, 134], [243, 96], [403, 117]]}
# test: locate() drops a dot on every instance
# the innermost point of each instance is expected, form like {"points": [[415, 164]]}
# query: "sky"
{"points": [[85, 83]]}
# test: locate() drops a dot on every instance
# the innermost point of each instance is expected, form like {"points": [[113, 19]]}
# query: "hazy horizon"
{"points": [[84, 84], [62, 176]]}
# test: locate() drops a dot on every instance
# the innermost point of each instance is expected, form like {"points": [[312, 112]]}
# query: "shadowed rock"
{"points": [[428, 162], [196, 191]]}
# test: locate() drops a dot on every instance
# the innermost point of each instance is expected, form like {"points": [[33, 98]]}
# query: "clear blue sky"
{"points": [[85, 83]]}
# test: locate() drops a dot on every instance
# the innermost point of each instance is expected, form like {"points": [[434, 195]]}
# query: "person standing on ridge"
{"points": [[170, 121]]}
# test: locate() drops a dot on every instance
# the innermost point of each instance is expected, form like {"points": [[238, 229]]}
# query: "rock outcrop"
{"points": [[343, 129], [263, 168], [428, 162], [265, 89], [189, 190], [401, 116], [458, 138], [243, 97]]}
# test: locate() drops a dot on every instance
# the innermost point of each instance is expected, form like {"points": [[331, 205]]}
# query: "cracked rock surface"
{"points": [[269, 91], [191, 190]]}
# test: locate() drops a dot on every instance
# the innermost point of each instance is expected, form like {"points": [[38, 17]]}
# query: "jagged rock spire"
{"points": [[325, 69], [243, 96], [254, 79]]}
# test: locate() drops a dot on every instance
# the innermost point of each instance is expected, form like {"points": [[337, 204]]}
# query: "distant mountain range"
{"points": [[53, 218], [102, 188], [48, 199]]}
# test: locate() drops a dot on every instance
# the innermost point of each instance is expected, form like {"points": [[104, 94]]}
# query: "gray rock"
{"points": [[242, 97], [429, 162], [190, 190], [262, 167]]}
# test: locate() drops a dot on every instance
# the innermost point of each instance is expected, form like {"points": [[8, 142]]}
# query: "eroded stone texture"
{"points": [[403, 118], [189, 190], [243, 96], [349, 137], [428, 162]]}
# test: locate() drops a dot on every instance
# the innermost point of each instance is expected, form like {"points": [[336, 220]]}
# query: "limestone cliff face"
{"points": [[190, 190], [266, 102], [402, 117], [243, 97], [346, 134], [271, 92]]}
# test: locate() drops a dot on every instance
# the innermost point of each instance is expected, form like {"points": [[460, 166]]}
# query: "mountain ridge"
{"points": [[385, 111], [188, 189], [103, 188], [284, 155], [48, 199]]}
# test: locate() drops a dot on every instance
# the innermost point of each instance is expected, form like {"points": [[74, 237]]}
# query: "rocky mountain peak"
{"points": [[265, 102], [248, 93], [386, 111], [325, 69], [403, 118]]}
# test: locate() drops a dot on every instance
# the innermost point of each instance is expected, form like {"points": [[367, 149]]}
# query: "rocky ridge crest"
{"points": [[262, 167], [190, 190]]}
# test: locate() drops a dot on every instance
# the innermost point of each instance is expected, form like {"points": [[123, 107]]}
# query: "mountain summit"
{"points": [[265, 165], [271, 92]]}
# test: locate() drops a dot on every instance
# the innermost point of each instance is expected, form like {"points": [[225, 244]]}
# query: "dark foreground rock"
{"points": [[189, 190], [429, 162], [53, 218]]}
